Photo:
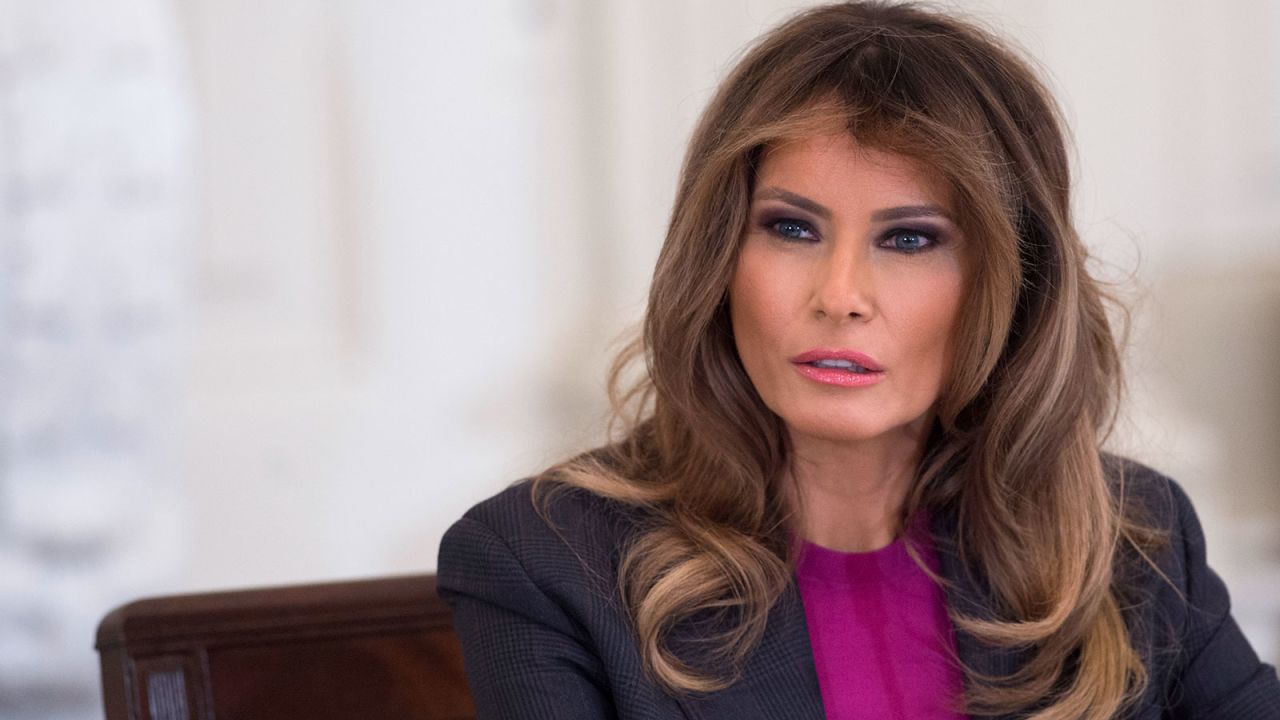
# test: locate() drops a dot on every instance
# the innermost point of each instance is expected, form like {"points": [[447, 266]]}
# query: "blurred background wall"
{"points": [[287, 285]]}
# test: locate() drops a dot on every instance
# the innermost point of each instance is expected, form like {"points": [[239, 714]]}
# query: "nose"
{"points": [[844, 284]]}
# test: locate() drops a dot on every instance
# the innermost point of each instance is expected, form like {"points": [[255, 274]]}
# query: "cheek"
{"points": [[928, 311], [751, 301]]}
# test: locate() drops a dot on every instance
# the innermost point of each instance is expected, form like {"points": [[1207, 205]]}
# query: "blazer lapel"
{"points": [[779, 681]]}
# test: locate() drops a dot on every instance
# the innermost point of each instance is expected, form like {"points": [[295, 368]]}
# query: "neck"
{"points": [[850, 495]]}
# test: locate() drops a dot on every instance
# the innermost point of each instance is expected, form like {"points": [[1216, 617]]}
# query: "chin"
{"points": [[840, 429], [853, 425]]}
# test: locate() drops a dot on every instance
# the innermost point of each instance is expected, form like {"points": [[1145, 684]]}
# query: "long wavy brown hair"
{"points": [[1015, 449]]}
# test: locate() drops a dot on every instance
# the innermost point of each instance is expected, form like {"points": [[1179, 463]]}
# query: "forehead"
{"points": [[836, 166]]}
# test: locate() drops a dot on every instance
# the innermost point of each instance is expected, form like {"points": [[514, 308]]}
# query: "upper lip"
{"points": [[837, 354]]}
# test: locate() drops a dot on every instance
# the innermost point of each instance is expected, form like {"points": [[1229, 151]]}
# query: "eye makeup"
{"points": [[787, 225], [924, 240]]}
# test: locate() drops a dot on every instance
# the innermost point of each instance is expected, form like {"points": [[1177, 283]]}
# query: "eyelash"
{"points": [[773, 227]]}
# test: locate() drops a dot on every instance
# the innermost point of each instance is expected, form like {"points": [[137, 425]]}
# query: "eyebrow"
{"points": [[909, 211], [901, 212]]}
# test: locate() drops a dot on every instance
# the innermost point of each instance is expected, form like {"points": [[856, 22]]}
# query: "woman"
{"points": [[861, 476]]}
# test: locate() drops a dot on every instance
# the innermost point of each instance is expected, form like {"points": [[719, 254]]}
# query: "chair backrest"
{"points": [[380, 649]]}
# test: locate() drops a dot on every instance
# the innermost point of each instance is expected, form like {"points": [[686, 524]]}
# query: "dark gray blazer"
{"points": [[544, 635]]}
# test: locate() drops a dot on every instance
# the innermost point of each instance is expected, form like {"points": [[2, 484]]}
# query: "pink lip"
{"points": [[836, 376], [828, 354]]}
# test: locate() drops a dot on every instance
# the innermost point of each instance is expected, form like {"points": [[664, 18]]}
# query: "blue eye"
{"points": [[792, 230], [907, 241]]}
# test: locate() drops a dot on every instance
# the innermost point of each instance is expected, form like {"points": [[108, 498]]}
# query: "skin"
{"points": [[821, 266]]}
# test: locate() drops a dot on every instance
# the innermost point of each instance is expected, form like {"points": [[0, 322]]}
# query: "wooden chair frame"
{"points": [[381, 649]]}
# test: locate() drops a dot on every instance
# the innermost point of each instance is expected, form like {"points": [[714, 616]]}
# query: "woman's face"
{"points": [[847, 290]]}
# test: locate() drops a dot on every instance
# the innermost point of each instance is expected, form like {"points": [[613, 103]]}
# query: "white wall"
{"points": [[96, 127], [371, 343]]}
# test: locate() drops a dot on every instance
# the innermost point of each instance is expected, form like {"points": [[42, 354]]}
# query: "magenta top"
{"points": [[882, 641]]}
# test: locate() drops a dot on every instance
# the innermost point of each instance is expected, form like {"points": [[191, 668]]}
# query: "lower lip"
{"points": [[841, 378]]}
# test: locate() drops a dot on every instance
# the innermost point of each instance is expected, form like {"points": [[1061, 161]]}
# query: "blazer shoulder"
{"points": [[557, 535], [1166, 546], [529, 509], [1148, 496], [1199, 661]]}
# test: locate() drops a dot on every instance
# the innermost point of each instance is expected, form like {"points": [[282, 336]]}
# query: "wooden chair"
{"points": [[376, 649]]}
